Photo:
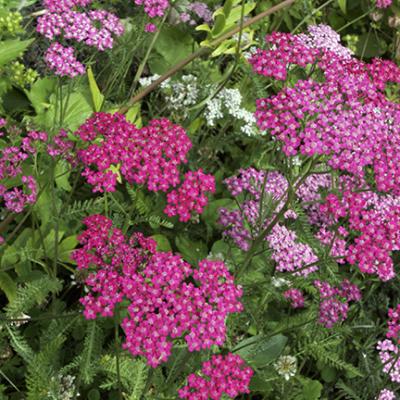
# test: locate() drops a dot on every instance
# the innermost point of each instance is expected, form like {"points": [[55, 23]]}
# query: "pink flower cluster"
{"points": [[190, 196], [386, 394], [394, 324], [94, 28], [168, 298], [289, 254], [390, 357], [153, 8], [295, 296], [244, 224], [11, 162], [148, 156], [377, 218], [62, 61], [335, 301], [198, 10], [383, 3], [347, 117], [221, 375], [60, 145]]}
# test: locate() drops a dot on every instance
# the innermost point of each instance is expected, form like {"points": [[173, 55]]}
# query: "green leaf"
{"points": [[40, 92], [228, 7], [66, 247], [311, 390], [219, 25], [97, 97], [163, 243], [211, 212], [260, 350], [12, 49], [369, 45], [192, 251], [8, 286], [342, 5], [62, 174]]}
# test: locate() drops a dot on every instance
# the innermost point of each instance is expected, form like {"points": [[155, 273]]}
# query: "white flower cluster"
{"points": [[186, 92], [178, 94], [228, 102]]}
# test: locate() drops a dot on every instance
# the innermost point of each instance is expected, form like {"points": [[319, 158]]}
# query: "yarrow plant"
{"points": [[221, 375], [94, 28], [168, 298]]}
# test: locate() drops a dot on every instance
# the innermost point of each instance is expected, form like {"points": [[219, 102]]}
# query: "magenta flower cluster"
{"points": [[383, 3], [190, 196], [394, 324], [149, 156], [377, 219], [347, 117], [17, 196], [153, 8], [335, 301], [295, 297], [168, 298], [389, 354], [95, 28], [220, 375]]}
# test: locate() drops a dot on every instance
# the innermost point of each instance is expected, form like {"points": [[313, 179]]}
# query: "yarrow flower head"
{"points": [[167, 297], [153, 8], [383, 3], [335, 301], [149, 156], [222, 375], [386, 394], [12, 159], [390, 357], [62, 61], [295, 296], [95, 28]]}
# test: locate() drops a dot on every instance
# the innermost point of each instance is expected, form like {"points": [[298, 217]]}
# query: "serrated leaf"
{"points": [[8, 286], [97, 97], [12, 49]]}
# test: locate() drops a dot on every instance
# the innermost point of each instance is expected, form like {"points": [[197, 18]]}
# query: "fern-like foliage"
{"points": [[31, 294], [133, 374]]}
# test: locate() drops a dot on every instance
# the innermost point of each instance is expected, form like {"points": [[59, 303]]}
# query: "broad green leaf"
{"points": [[163, 243], [97, 97], [66, 247], [62, 174], [228, 7], [343, 5], [311, 390], [219, 25], [260, 350], [40, 92], [8, 286], [12, 49], [370, 45], [133, 115], [192, 251]]}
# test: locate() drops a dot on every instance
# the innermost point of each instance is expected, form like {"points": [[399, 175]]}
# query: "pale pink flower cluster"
{"points": [[62, 61], [295, 297], [95, 28], [153, 8], [335, 301], [167, 297], [222, 375], [386, 394], [390, 357], [12, 158]]}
